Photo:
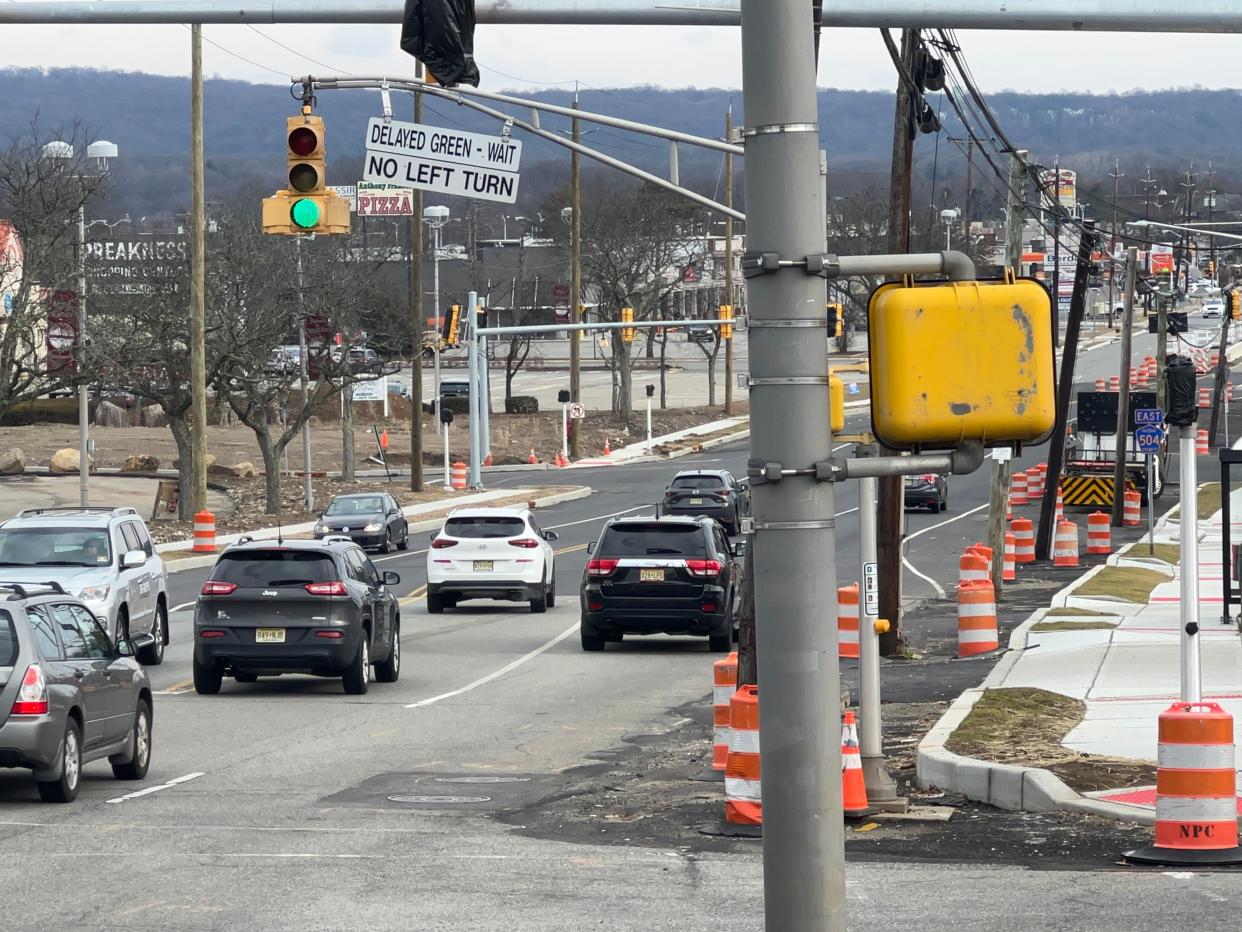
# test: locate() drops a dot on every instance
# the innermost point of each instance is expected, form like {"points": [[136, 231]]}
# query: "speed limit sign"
{"points": [[577, 411]]}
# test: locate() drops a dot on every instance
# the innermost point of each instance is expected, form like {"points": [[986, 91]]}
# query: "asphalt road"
{"points": [[272, 806]]}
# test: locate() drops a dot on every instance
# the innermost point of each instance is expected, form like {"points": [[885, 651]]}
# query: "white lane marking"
{"points": [[848, 511], [615, 514], [509, 667], [841, 446], [180, 608], [909, 537], [155, 789]]}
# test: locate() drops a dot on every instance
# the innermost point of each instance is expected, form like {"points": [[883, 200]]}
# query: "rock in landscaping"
{"points": [[141, 462], [243, 470], [12, 462], [153, 416], [211, 459], [66, 462], [240, 471]]}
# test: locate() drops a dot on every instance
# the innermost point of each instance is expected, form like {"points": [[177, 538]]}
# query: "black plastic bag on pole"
{"points": [[440, 34]]}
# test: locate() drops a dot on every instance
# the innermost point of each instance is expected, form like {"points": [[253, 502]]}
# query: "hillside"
{"points": [[148, 117]]}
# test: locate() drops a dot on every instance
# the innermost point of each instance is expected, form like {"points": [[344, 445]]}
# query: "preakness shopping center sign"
{"points": [[414, 155]]}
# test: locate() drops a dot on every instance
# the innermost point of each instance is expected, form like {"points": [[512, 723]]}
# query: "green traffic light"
{"points": [[305, 213]]}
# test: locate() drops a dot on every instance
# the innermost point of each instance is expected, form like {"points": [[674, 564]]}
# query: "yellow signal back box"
{"points": [[953, 362]]}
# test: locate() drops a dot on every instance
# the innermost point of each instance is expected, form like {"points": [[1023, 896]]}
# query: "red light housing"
{"points": [[302, 141], [336, 587], [601, 567], [215, 587], [595, 606], [724, 492], [441, 542], [703, 567], [32, 697], [330, 635], [709, 607], [527, 542], [211, 633]]}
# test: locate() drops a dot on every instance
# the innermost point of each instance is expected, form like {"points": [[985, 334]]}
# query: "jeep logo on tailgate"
{"points": [[270, 592]]}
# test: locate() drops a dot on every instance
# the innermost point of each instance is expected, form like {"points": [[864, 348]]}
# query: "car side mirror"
{"points": [[391, 578], [134, 559], [551, 535], [591, 547], [124, 648], [740, 547], [129, 647]]}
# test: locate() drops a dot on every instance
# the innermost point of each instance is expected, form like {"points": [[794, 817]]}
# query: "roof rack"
{"points": [[77, 510], [21, 590]]}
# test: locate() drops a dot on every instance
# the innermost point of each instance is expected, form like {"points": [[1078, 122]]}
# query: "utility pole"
{"points": [[1015, 225], [1123, 398], [891, 491], [1056, 444], [575, 282], [794, 541], [1222, 370], [1211, 206], [966, 205], [1189, 185], [1116, 175], [728, 172], [198, 279], [417, 322], [1149, 184], [1056, 253]]}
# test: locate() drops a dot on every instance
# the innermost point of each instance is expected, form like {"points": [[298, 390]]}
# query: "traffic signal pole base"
{"points": [[881, 787]]}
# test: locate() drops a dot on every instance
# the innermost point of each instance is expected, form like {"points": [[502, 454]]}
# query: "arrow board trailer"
{"points": [[430, 158]]}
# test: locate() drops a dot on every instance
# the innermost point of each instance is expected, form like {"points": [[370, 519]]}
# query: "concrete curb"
{"points": [[417, 527], [1005, 786]]}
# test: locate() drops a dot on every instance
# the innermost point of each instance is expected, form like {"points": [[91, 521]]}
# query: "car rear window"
{"points": [[264, 569], [698, 482], [8, 640], [484, 527], [640, 540]]}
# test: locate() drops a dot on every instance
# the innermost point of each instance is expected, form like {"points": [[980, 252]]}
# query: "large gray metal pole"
{"points": [[198, 279], [575, 279], [308, 493], [881, 787], [485, 405], [476, 393], [1208, 16], [84, 389], [1191, 677], [794, 542], [417, 325], [1123, 396]]}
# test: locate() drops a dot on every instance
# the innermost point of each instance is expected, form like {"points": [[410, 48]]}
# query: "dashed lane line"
{"points": [[155, 789]]}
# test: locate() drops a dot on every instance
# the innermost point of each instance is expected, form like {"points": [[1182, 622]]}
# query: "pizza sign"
{"points": [[380, 200]]}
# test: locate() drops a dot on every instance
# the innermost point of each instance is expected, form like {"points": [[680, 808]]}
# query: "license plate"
{"points": [[651, 575], [696, 501], [269, 635], [482, 566]]}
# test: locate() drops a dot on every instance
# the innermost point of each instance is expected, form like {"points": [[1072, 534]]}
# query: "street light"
{"points": [[101, 151], [949, 216], [436, 216]]}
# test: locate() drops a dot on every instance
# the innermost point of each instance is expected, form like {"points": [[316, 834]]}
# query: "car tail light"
{"points": [[724, 492], [32, 697], [215, 587], [441, 542], [703, 567], [330, 635], [599, 567], [527, 542], [336, 587], [709, 607], [211, 633], [595, 605]]}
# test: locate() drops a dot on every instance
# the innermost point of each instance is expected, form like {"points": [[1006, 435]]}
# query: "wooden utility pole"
{"points": [[1123, 396], [198, 279], [417, 324], [1056, 444], [1222, 371], [575, 283], [970, 174], [891, 504], [728, 172], [1015, 225], [1116, 175]]}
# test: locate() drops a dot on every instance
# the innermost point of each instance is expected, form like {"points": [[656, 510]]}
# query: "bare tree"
{"points": [[40, 196], [857, 225]]}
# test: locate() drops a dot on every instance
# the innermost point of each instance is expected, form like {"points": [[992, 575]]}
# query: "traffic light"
{"points": [[451, 322], [306, 206], [1235, 305], [726, 313], [480, 317], [836, 320], [627, 317]]}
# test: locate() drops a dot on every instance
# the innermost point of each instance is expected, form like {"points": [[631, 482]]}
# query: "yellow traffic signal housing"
{"points": [[836, 320], [451, 323], [627, 316], [836, 404], [726, 330], [306, 206], [1235, 305], [956, 362]]}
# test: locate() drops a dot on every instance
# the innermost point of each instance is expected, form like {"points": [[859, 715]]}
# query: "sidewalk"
{"points": [[1121, 659]]}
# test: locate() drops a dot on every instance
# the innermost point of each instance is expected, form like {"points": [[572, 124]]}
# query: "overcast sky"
{"points": [[533, 56]]}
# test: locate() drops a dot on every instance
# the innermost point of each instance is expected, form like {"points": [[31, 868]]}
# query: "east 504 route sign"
{"points": [[448, 161]]}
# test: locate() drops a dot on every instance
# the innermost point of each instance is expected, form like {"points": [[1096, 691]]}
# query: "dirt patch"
{"points": [[1025, 727], [1127, 583]]}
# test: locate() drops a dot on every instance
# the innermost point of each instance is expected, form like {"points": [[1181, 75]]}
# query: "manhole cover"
{"points": [[483, 779], [443, 800]]}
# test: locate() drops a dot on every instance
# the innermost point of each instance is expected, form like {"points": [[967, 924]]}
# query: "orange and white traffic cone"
{"points": [[1065, 544], [853, 786], [743, 794], [1099, 539], [847, 621], [487, 460], [607, 447], [532, 459], [1009, 568], [724, 685], [1196, 795]]}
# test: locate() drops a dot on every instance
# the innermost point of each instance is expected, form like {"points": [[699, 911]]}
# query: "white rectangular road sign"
{"points": [[371, 389], [430, 158], [871, 589]]}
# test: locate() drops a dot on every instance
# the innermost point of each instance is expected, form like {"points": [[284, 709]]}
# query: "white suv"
{"points": [[491, 553], [104, 556]]}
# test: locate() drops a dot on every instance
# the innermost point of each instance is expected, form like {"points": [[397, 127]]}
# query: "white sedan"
{"points": [[491, 553], [1214, 309]]}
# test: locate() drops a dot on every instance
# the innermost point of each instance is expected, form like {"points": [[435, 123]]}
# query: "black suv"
{"points": [[713, 493], [296, 606], [668, 575]]}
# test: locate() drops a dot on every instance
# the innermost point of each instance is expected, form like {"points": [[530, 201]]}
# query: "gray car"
{"points": [[68, 694]]}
